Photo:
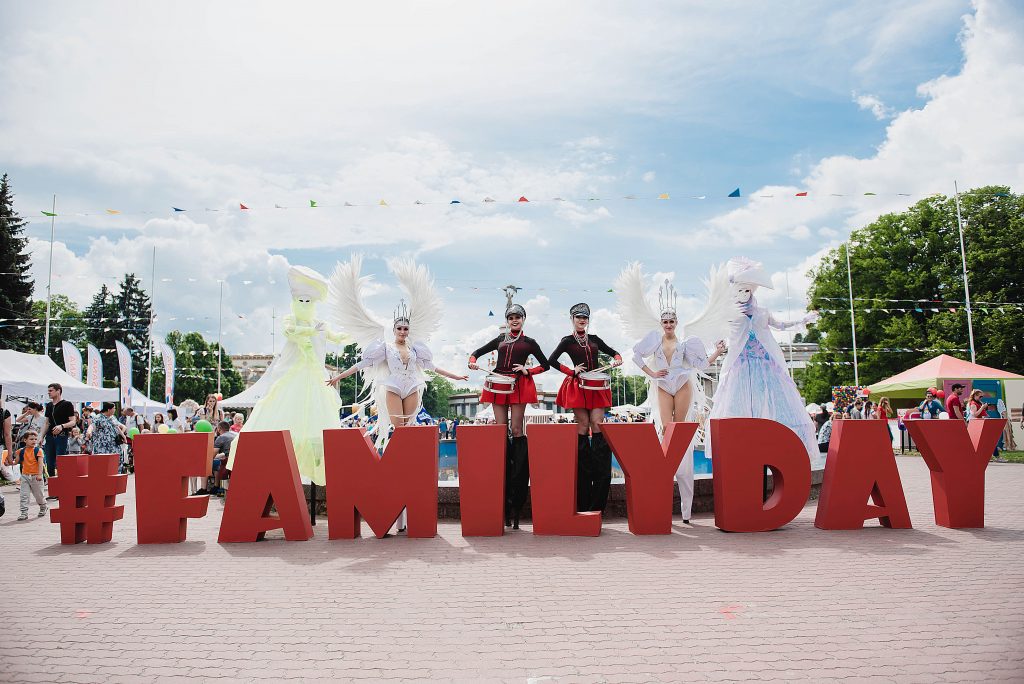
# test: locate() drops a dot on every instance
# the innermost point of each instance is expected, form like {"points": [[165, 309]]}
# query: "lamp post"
{"points": [[49, 281], [963, 262], [220, 332], [853, 323]]}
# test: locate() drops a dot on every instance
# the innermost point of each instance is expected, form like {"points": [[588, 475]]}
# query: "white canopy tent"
{"points": [[533, 414], [27, 375], [247, 398], [145, 406]]}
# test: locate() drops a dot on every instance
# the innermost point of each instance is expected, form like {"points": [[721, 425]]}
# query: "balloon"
{"points": [[132, 432], [162, 428], [204, 426], [172, 431], [941, 394]]}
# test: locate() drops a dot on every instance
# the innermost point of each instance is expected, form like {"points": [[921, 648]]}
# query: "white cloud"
{"points": [[874, 105], [649, 177]]}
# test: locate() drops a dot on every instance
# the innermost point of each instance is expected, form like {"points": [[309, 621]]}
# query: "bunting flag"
{"points": [[113, 211], [124, 364], [801, 194], [312, 203], [177, 209], [663, 196], [383, 203], [452, 202], [167, 354], [735, 193], [242, 206], [94, 376], [522, 198], [72, 360], [49, 213]]}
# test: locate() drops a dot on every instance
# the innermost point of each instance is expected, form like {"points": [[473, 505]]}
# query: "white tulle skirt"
{"points": [[755, 386]]}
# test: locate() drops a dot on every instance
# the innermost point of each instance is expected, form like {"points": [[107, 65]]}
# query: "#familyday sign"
{"points": [[861, 481]]}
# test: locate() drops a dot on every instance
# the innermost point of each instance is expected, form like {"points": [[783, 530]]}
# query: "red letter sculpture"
{"points": [[860, 465], [553, 483], [650, 468], [163, 464], [957, 454], [362, 483], [742, 447], [87, 489], [482, 479], [265, 475]]}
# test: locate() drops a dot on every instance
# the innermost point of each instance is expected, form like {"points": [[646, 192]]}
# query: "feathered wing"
{"points": [[425, 307], [637, 316], [350, 314], [713, 323], [346, 303]]}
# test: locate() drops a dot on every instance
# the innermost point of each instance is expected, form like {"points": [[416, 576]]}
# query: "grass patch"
{"points": [[1012, 456]]}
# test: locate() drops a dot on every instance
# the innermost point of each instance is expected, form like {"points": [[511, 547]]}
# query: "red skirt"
{"points": [[524, 392], [571, 396]]}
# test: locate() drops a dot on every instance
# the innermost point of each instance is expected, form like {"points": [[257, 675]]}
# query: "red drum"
{"points": [[595, 381], [523, 392], [496, 383], [572, 396]]}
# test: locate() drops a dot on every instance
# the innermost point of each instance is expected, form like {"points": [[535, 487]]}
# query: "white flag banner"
{"points": [[169, 367], [124, 364], [72, 360], [94, 377]]}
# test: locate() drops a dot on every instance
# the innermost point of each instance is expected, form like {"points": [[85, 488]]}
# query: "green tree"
{"points": [[196, 373], [435, 397], [133, 308], [914, 257], [101, 318], [67, 324], [628, 389], [15, 283], [353, 386]]}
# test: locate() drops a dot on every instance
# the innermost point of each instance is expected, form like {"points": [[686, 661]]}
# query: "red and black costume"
{"points": [[513, 350], [581, 350]]}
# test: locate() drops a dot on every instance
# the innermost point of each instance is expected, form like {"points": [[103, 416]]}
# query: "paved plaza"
{"points": [[922, 605]]}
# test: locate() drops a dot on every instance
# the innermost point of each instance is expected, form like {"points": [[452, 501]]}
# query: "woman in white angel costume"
{"points": [[754, 382], [673, 360], [298, 400]]}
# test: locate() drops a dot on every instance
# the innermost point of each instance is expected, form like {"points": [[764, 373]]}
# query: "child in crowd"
{"points": [[76, 443], [30, 458]]}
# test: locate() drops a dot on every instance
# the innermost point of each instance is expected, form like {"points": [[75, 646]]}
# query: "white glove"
{"points": [[812, 317]]}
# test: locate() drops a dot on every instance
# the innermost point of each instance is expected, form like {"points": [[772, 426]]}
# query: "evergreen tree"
{"points": [[133, 309], [101, 319], [15, 283]]}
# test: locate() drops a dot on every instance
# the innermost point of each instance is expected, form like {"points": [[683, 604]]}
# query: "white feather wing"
{"points": [[637, 316], [712, 324], [346, 303], [425, 307]]}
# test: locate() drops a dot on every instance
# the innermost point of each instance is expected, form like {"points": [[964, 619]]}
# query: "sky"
{"points": [[141, 107]]}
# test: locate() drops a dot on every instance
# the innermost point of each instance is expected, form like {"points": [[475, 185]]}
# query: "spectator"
{"points": [[31, 418], [976, 406], [825, 431], [857, 410], [209, 411], [158, 420], [1008, 438], [60, 418], [8, 427], [222, 443], [131, 419], [884, 412], [173, 421], [30, 459], [76, 442], [455, 427], [930, 408], [955, 407], [237, 421], [442, 427], [105, 431]]}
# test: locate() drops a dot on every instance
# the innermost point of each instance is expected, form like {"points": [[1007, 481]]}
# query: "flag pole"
{"points": [[963, 262], [220, 332], [853, 323], [49, 280]]}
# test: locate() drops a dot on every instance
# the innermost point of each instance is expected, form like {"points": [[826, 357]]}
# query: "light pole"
{"points": [[853, 323], [49, 280], [220, 332], [963, 262]]}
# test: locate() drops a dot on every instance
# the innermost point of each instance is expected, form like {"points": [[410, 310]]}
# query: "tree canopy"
{"points": [[15, 282], [911, 260]]}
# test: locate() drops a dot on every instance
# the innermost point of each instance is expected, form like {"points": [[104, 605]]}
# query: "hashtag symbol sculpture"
{"points": [[86, 490]]}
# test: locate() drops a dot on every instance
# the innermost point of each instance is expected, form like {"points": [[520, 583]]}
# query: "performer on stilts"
{"points": [[393, 364], [509, 389], [297, 400], [672, 358], [587, 391], [754, 382]]}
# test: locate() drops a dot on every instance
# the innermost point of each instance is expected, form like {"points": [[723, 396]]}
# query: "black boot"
{"points": [[509, 469], [520, 477], [601, 473], [584, 473]]}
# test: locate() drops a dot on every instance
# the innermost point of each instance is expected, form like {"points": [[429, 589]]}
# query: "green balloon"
{"points": [[204, 426], [132, 432], [172, 431]]}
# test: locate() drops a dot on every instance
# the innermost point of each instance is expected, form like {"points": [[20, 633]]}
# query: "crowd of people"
{"points": [[34, 439]]}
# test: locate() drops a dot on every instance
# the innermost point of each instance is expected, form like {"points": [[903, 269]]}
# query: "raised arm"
{"points": [[486, 349], [774, 322], [373, 354]]}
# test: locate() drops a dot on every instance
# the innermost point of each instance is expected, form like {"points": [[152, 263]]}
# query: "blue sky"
{"points": [[137, 108]]}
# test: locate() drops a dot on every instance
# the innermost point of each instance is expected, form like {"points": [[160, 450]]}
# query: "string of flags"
{"points": [[488, 200]]}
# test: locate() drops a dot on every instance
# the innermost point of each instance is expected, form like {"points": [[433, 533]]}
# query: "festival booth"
{"points": [[907, 389], [27, 375]]}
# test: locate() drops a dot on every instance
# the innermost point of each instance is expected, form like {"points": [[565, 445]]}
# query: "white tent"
{"points": [[145, 406], [27, 375], [247, 398], [533, 414]]}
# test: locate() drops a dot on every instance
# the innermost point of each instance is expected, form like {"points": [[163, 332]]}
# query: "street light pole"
{"points": [[853, 323], [49, 280], [220, 332], [963, 262]]}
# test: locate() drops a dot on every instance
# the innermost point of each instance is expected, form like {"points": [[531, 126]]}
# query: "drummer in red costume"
{"points": [[509, 400], [588, 394]]}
